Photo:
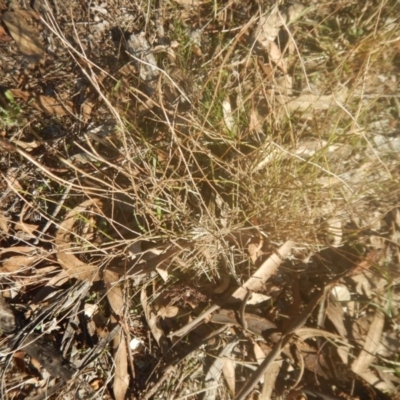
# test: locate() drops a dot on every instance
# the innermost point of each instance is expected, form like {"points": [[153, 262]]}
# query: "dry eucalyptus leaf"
{"points": [[275, 55], [121, 374], [268, 27], [72, 264], [19, 263], [114, 292], [168, 312], [214, 373], [270, 377], [26, 37], [153, 321], [314, 102], [228, 370], [44, 103], [371, 344], [4, 224]]}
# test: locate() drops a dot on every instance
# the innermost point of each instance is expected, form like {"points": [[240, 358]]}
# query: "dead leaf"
{"points": [[4, 224], [121, 376], [168, 312], [313, 102], [254, 250], [268, 27], [214, 373], [371, 344], [44, 103], [116, 299], [275, 55], [72, 264], [114, 292], [4, 37], [335, 314], [19, 263], [153, 321], [223, 286], [270, 376], [228, 370], [26, 37]]}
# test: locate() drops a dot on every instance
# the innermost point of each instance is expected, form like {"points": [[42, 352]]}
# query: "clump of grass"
{"points": [[184, 180]]}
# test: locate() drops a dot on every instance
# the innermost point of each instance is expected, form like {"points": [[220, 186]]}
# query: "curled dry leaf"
{"points": [[26, 37], [223, 286], [72, 264], [254, 250], [269, 268]]}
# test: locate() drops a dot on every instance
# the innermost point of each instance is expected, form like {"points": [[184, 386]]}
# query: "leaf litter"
{"points": [[237, 213]]}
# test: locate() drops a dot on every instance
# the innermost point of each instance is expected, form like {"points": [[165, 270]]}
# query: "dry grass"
{"points": [[158, 191]]}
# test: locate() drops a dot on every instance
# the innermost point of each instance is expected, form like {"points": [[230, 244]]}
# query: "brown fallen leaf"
{"points": [[4, 37], [72, 264], [114, 292], [116, 300], [153, 321], [44, 103], [26, 37], [4, 224], [19, 263], [228, 370], [121, 378], [212, 378], [314, 102]]}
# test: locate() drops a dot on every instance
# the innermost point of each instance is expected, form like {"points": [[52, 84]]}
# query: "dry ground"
{"points": [[199, 199]]}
